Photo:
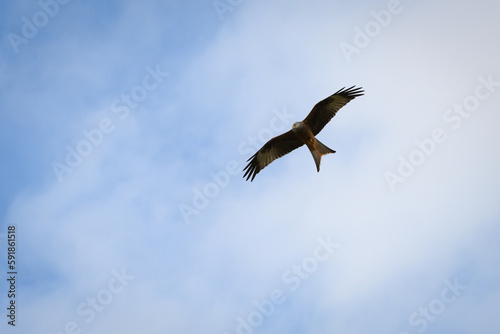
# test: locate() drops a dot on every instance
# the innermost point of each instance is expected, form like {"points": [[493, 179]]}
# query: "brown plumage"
{"points": [[302, 133]]}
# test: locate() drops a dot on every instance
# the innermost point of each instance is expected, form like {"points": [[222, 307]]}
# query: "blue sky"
{"points": [[125, 126]]}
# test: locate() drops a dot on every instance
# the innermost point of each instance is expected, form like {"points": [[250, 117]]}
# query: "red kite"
{"points": [[302, 133]]}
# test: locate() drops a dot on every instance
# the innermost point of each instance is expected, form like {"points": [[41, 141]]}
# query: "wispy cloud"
{"points": [[119, 212]]}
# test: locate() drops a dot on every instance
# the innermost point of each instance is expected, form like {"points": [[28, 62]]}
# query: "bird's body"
{"points": [[302, 133], [317, 148]]}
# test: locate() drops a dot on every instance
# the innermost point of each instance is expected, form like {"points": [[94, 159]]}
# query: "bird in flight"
{"points": [[302, 133]]}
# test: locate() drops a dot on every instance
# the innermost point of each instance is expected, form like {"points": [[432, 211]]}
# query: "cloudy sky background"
{"points": [[194, 263]]}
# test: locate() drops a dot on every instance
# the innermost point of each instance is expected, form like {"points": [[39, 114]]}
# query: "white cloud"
{"points": [[120, 208]]}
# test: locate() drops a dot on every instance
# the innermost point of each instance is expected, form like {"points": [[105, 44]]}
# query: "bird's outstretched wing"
{"points": [[275, 148], [324, 110]]}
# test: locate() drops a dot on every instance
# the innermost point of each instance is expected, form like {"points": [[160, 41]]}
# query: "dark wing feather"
{"points": [[324, 110], [272, 150]]}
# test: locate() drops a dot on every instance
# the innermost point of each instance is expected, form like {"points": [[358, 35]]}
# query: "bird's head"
{"points": [[296, 125]]}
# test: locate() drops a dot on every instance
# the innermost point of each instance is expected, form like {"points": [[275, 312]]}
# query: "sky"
{"points": [[125, 127]]}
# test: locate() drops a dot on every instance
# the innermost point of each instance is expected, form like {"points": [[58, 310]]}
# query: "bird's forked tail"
{"points": [[317, 154]]}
